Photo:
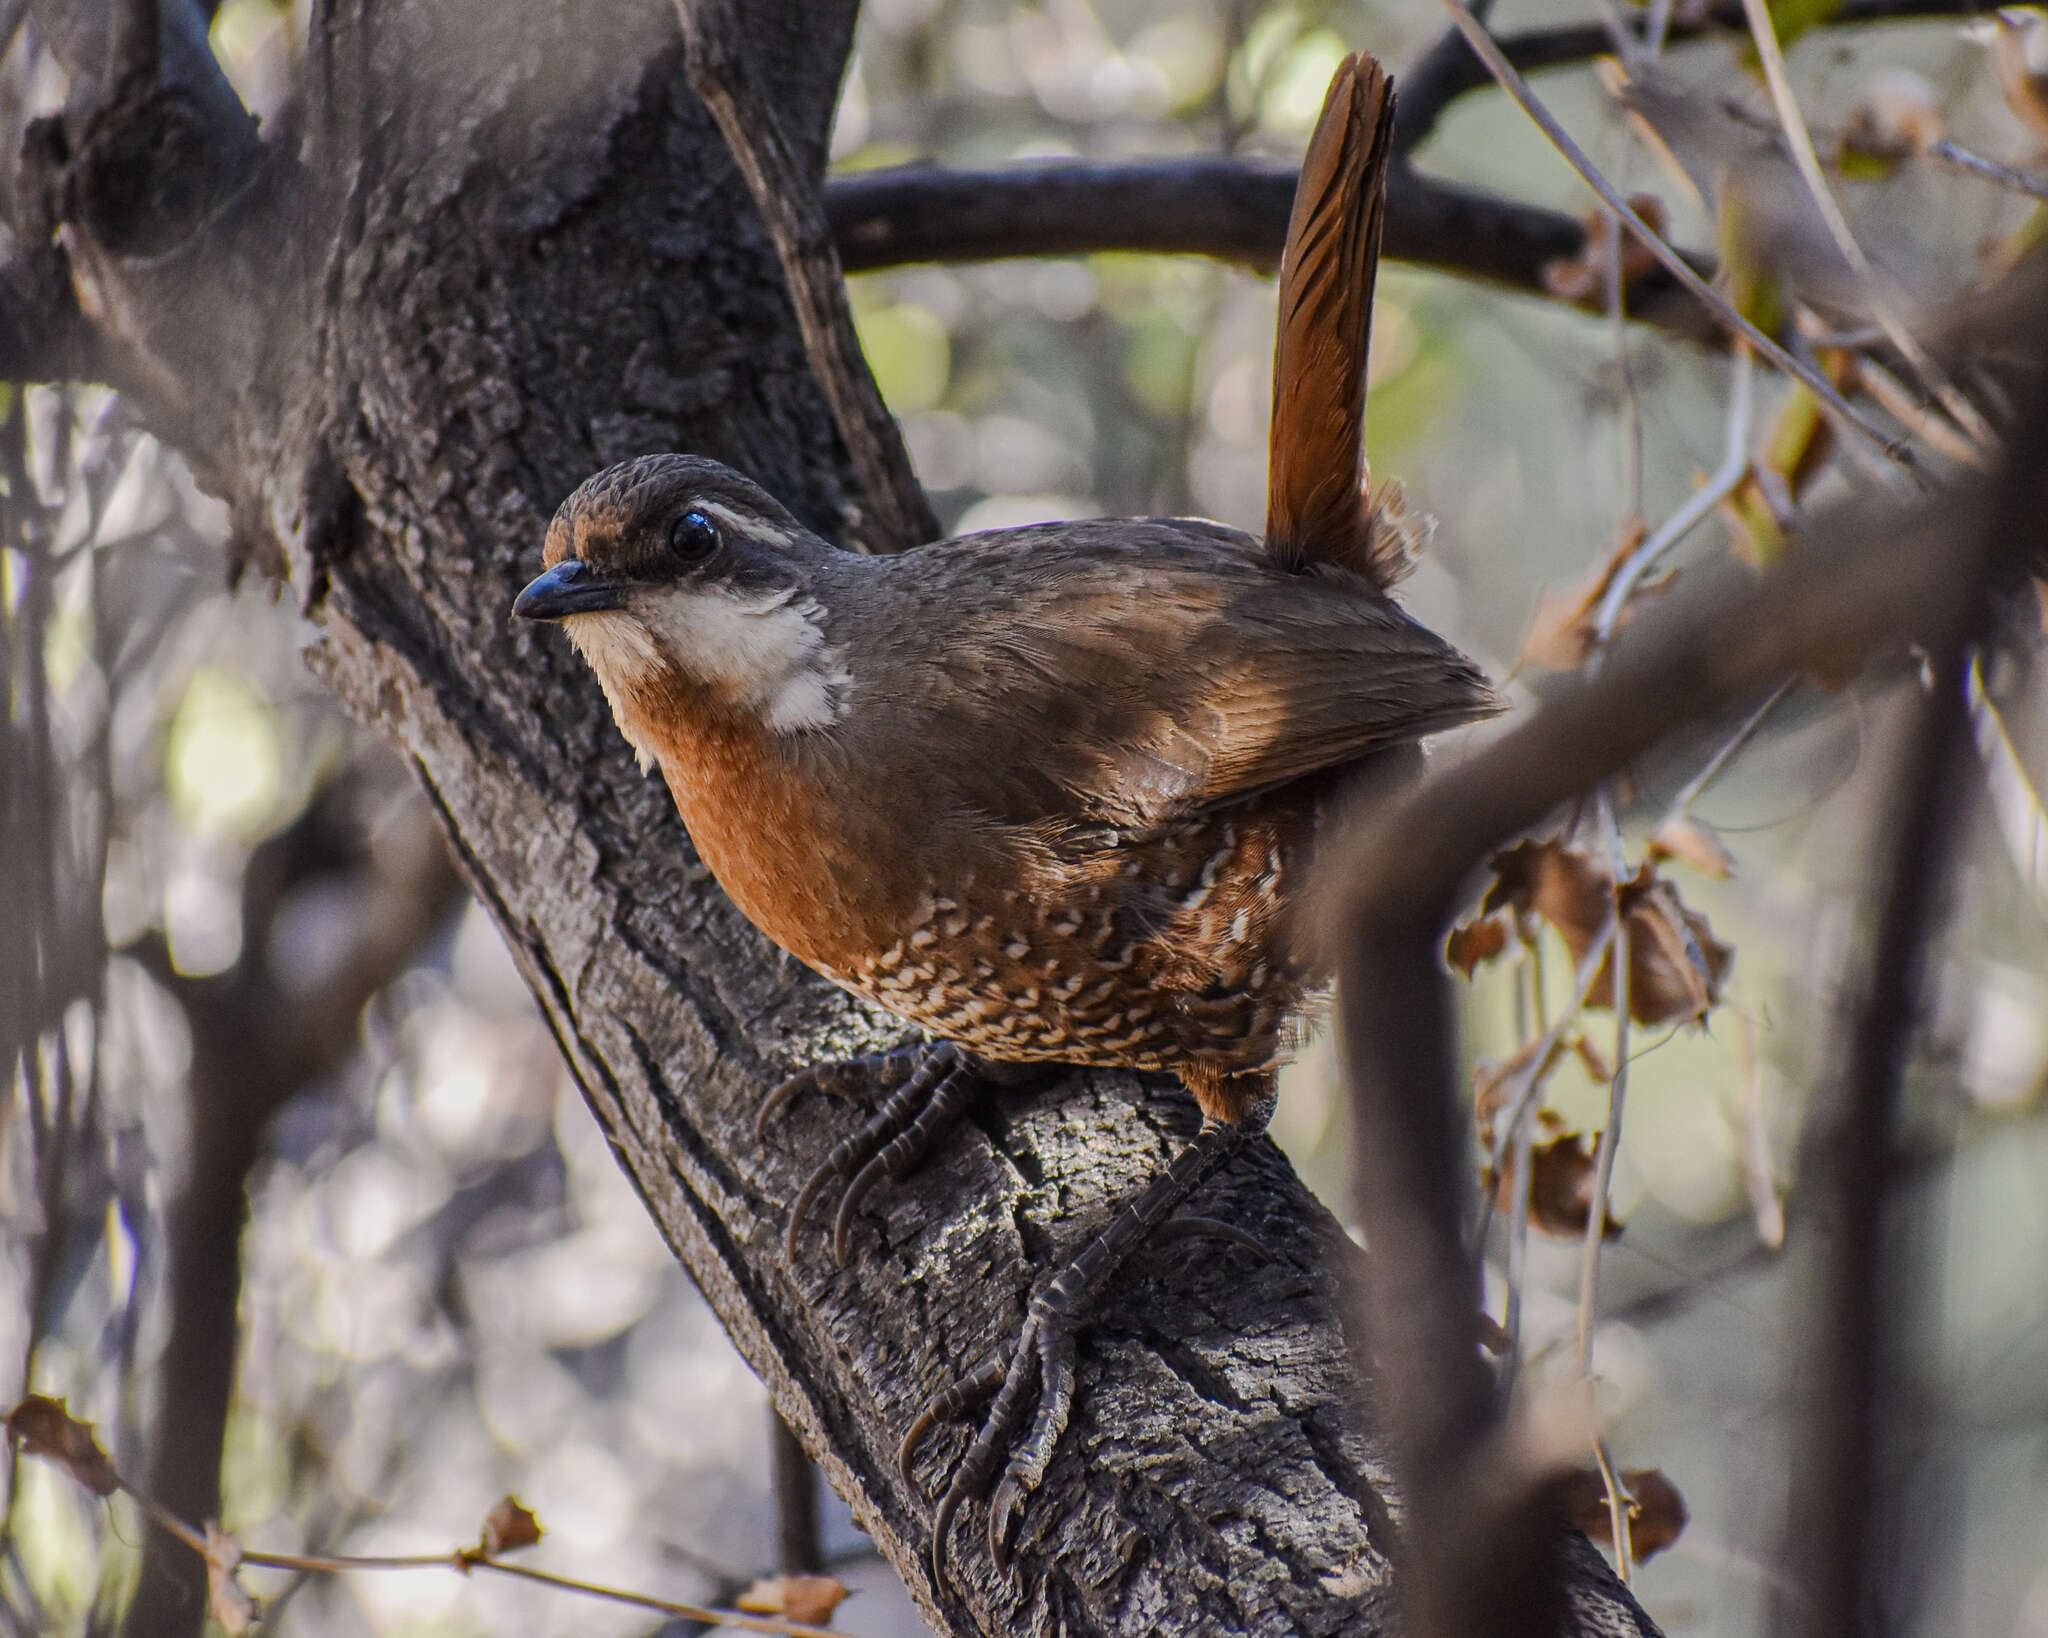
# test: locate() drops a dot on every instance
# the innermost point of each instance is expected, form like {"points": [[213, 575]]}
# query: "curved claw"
{"points": [[780, 1096], [884, 1069], [1005, 1508], [806, 1197], [865, 1182], [1196, 1228], [944, 1406]]}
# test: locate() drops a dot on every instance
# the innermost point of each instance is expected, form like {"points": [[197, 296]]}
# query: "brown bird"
{"points": [[1046, 793]]}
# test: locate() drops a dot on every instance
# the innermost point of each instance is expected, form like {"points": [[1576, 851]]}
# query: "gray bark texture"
{"points": [[509, 248]]}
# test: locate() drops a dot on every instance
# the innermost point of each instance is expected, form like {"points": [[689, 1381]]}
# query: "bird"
{"points": [[1049, 794]]}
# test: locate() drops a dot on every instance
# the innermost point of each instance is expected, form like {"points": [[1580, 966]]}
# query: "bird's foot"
{"points": [[1042, 1360], [930, 1085]]}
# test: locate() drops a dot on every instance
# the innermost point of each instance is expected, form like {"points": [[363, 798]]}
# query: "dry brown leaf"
{"points": [[1560, 1189], [1564, 885], [1675, 964], [1657, 1515], [1480, 939], [509, 1527], [806, 1599], [226, 1601], [46, 1428], [1561, 631], [1692, 842]]}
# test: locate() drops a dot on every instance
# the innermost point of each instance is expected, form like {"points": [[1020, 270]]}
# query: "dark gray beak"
{"points": [[568, 588]]}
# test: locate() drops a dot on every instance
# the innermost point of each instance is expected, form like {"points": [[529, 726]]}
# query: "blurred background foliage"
{"points": [[233, 954]]}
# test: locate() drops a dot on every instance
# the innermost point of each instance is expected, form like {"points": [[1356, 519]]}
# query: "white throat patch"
{"points": [[765, 652]]}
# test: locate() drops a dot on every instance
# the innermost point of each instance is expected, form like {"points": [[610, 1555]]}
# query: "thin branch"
{"points": [[1448, 70], [1815, 382], [795, 1479], [1733, 469], [1876, 288], [1734, 742], [897, 515], [1975, 164], [1610, 1134]]}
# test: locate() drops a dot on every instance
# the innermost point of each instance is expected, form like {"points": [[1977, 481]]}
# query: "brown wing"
{"points": [[1316, 505], [1132, 671]]}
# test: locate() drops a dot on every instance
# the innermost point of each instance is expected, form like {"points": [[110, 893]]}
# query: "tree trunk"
{"points": [[513, 250]]}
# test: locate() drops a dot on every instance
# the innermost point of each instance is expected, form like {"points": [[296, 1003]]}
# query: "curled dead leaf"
{"points": [[46, 1428], [1480, 939], [1560, 1189], [1675, 964], [1564, 885], [509, 1526], [1657, 1514], [226, 1600], [807, 1599], [1692, 842]]}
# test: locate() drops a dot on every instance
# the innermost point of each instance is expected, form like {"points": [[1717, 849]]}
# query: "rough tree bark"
{"points": [[512, 249]]}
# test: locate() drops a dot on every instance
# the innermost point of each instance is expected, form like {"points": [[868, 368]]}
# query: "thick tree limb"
{"points": [[1840, 1501], [1233, 209], [895, 515]]}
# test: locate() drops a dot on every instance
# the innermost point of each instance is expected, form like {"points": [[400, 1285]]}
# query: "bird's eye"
{"points": [[693, 537]]}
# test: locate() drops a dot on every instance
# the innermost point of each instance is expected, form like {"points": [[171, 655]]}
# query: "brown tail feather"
{"points": [[1317, 507]]}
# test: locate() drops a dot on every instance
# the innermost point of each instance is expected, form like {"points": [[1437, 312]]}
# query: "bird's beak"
{"points": [[568, 588]]}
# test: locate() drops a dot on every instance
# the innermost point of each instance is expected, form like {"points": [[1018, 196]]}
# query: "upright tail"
{"points": [[1318, 505]]}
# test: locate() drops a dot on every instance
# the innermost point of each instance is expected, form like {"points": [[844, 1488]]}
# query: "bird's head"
{"points": [[688, 589]]}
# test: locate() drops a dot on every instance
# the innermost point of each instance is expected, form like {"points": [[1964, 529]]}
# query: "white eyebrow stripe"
{"points": [[739, 523]]}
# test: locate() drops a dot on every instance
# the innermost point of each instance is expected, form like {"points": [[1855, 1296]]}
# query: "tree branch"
{"points": [[1861, 583], [1233, 209], [1840, 1500], [897, 515], [254, 1046], [1448, 70]]}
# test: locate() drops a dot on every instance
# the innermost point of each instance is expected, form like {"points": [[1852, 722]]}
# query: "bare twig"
{"points": [[1733, 469], [896, 514], [1689, 793], [1620, 1507], [1990, 170], [1448, 70], [1610, 1134], [1800, 141], [1815, 382]]}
